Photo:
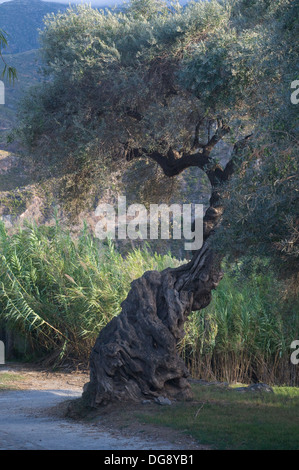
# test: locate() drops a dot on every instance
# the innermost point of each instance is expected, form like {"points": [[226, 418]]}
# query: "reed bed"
{"points": [[58, 291]]}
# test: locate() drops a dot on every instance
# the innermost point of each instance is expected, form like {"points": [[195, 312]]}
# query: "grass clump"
{"points": [[9, 381]]}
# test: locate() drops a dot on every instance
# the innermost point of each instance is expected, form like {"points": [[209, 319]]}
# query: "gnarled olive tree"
{"points": [[166, 85], [135, 355]]}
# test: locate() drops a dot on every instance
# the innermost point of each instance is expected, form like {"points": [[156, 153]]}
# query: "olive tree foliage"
{"points": [[120, 78], [262, 198], [167, 84]]}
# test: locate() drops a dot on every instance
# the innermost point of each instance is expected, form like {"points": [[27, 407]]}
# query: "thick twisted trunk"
{"points": [[135, 355]]}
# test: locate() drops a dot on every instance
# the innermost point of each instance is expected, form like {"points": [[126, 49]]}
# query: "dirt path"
{"points": [[29, 418]]}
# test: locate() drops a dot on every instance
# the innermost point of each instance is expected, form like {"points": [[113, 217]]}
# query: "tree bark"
{"points": [[136, 356]]}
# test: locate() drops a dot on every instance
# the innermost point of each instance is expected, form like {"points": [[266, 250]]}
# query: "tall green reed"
{"points": [[59, 291]]}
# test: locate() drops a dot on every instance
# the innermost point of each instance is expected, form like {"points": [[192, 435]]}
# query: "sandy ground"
{"points": [[31, 418]]}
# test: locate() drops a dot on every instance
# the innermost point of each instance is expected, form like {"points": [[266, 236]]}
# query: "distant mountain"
{"points": [[21, 19]]}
